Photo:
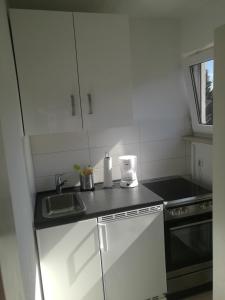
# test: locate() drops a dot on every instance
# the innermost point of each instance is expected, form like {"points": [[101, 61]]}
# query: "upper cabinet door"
{"points": [[45, 53], [103, 51]]}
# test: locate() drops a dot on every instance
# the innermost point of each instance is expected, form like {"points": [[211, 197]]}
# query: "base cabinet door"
{"points": [[133, 256], [45, 55], [70, 262]]}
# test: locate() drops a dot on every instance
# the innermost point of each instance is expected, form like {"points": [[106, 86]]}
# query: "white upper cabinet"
{"points": [[47, 70], [70, 261], [103, 51], [73, 70]]}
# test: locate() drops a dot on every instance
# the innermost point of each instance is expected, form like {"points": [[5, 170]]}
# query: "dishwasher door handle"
{"points": [[103, 238]]}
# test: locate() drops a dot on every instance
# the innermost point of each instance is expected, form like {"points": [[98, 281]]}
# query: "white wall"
{"points": [[20, 191], [161, 117], [219, 168], [9, 260], [198, 30]]}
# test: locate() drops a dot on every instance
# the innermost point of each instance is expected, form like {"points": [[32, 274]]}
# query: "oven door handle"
{"points": [[191, 224]]}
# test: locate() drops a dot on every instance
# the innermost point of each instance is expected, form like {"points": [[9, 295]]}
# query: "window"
{"points": [[202, 82]]}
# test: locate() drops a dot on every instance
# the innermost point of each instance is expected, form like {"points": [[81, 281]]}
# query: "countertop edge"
{"points": [[42, 223], [68, 220]]}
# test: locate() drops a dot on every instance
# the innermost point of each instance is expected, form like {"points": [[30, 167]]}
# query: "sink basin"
{"points": [[62, 205]]}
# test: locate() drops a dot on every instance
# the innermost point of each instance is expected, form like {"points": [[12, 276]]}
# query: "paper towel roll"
{"points": [[108, 171]]}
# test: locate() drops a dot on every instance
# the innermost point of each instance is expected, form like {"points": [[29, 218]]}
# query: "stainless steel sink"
{"points": [[62, 205]]}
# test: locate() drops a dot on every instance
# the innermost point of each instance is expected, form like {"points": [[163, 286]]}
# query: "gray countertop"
{"points": [[99, 202]]}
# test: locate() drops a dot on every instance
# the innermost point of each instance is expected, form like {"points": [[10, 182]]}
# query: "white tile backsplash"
{"points": [[162, 128], [163, 149], [188, 165], [202, 159], [188, 148], [51, 143], [124, 149], [44, 183], [99, 173], [61, 162], [54, 154], [113, 136], [48, 182], [161, 168], [97, 154]]}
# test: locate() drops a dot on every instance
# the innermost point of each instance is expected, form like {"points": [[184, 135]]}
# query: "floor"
{"points": [[205, 296]]}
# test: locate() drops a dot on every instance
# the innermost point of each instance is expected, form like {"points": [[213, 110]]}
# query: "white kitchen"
{"points": [[111, 142]]}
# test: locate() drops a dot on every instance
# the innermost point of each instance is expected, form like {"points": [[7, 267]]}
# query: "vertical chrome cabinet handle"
{"points": [[103, 237], [73, 105], [90, 112]]}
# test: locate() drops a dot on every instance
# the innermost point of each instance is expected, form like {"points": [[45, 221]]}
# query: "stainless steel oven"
{"points": [[188, 232], [189, 248]]}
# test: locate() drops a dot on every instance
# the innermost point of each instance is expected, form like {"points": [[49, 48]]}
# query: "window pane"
{"points": [[207, 92], [202, 79]]}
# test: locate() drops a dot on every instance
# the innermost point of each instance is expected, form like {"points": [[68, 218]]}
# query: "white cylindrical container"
{"points": [[108, 183]]}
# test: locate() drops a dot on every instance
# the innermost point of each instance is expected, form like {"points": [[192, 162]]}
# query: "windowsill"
{"points": [[198, 139]]}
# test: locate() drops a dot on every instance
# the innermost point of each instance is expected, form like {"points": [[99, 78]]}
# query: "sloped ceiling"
{"points": [[153, 8]]}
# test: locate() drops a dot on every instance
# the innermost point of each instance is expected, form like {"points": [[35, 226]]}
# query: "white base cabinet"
{"points": [[70, 261], [105, 260]]}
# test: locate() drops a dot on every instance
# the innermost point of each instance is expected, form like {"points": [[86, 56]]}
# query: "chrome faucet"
{"points": [[59, 183]]}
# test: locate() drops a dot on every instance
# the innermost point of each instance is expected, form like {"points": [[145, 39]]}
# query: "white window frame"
{"points": [[196, 58]]}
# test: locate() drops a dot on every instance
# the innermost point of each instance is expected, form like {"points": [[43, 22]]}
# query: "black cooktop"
{"points": [[175, 188]]}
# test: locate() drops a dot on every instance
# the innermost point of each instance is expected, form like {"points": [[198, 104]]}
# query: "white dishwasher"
{"points": [[133, 254]]}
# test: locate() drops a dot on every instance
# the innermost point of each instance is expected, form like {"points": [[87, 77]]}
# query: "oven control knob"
{"points": [[202, 206], [171, 211], [184, 210], [176, 212], [180, 211], [205, 205], [210, 204]]}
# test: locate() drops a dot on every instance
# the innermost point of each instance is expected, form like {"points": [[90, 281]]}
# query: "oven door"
{"points": [[188, 242]]}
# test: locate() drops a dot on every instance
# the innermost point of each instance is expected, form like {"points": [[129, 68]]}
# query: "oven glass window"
{"points": [[190, 244]]}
